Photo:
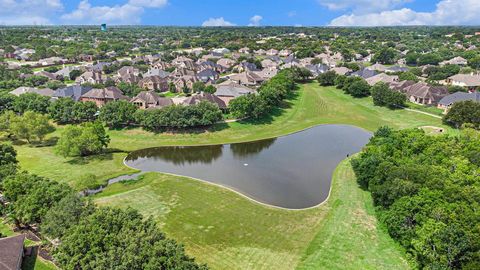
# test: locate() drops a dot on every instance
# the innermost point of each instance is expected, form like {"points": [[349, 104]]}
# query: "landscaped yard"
{"points": [[227, 231], [30, 263]]}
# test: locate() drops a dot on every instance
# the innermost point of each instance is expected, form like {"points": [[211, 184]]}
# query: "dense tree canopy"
{"points": [[118, 113], [463, 112], [383, 96], [427, 191], [82, 140], [119, 239]]}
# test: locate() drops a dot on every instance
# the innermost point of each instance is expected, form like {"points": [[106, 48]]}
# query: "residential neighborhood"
{"points": [[239, 146]]}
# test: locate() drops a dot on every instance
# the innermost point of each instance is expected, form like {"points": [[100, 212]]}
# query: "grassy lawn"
{"points": [[312, 106], [228, 231], [427, 109]]}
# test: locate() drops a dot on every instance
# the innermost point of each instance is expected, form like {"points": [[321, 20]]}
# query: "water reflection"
{"points": [[293, 171], [250, 148], [180, 155]]}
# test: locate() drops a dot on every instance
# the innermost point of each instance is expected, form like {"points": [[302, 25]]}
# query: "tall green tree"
{"points": [[82, 140]]}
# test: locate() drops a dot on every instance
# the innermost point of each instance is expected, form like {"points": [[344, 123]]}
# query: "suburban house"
{"points": [[247, 78], [260, 52], [195, 99], [47, 92], [74, 92], [207, 75], [268, 63], [92, 77], [231, 90], [382, 77], [285, 53], [55, 60], [184, 62], [98, 67], [12, 252], [85, 57], [46, 74], [317, 69], [161, 65], [341, 70], [103, 96], [226, 63], [266, 73], [180, 72], [150, 99], [271, 52], [400, 86], [377, 67], [459, 61], [446, 102], [65, 72], [422, 93], [246, 66], [364, 73], [395, 69], [221, 51], [156, 72], [128, 74], [471, 81], [184, 82], [244, 50], [154, 82]]}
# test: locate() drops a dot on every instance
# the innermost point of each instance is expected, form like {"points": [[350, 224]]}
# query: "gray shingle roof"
{"points": [[459, 96], [11, 252], [74, 92]]}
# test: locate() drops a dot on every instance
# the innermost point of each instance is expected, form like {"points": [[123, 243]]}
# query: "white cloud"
{"points": [[29, 12], [129, 13], [363, 6], [217, 22], [255, 20], [447, 12], [292, 13], [148, 3]]}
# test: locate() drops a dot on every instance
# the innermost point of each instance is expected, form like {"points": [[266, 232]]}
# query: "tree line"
{"points": [[83, 235], [427, 192]]}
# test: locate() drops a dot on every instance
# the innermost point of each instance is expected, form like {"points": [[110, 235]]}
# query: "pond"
{"points": [[292, 172]]}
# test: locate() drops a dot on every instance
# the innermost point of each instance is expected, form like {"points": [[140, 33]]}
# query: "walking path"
{"points": [[431, 114]]}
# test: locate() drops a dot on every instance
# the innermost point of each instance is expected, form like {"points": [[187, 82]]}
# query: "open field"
{"points": [[228, 231]]}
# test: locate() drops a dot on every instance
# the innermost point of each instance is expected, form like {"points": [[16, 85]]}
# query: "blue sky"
{"points": [[242, 12]]}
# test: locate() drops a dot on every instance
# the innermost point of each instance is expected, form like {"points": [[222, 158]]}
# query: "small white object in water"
{"points": [[245, 164]]}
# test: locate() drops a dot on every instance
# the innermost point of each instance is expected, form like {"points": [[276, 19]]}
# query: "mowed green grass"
{"points": [[313, 105], [227, 231]]}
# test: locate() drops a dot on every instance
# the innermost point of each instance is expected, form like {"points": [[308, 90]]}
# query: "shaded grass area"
{"points": [[228, 231], [45, 162]]}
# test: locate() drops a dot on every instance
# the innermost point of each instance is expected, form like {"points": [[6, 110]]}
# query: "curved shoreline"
{"points": [[239, 192]]}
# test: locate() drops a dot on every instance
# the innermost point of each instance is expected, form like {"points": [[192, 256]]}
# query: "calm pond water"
{"points": [[292, 172]]}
